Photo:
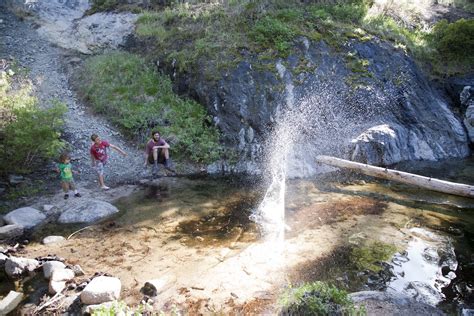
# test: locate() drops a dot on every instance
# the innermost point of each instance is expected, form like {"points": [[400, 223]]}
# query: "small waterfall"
{"points": [[270, 214]]}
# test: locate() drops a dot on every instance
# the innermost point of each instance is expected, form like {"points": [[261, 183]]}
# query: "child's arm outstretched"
{"points": [[118, 150]]}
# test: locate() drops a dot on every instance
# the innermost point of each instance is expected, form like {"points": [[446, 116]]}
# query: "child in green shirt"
{"points": [[64, 168]]}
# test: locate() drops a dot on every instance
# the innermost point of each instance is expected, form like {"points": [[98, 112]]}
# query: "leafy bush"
{"points": [[318, 298], [30, 134], [138, 99], [350, 12], [271, 32], [454, 41]]}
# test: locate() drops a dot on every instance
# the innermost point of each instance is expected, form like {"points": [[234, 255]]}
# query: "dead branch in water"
{"points": [[400, 176]]}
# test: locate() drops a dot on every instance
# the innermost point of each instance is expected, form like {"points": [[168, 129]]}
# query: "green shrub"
{"points": [[30, 134], [349, 12], [273, 33], [138, 99], [318, 298], [454, 41]]}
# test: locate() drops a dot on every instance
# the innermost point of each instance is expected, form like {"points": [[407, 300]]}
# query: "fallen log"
{"points": [[400, 176]]}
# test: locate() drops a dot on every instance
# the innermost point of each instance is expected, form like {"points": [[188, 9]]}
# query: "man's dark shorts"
{"points": [[161, 157]]}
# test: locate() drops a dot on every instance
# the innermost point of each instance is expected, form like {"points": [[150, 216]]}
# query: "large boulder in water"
{"points": [[87, 211]]}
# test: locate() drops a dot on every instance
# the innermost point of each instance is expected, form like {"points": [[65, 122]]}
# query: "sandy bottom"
{"points": [[196, 237]]}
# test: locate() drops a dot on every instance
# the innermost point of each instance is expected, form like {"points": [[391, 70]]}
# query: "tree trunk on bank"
{"points": [[404, 177]]}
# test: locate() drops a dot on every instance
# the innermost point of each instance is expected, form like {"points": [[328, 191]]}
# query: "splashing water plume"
{"points": [[318, 124]]}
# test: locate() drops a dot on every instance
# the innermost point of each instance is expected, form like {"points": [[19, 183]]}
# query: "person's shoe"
{"points": [[104, 187], [66, 196], [168, 166], [77, 194]]}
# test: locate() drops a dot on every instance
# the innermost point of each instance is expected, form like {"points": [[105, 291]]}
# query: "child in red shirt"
{"points": [[99, 157]]}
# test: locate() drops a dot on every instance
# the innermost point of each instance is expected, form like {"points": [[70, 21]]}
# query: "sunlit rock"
{"points": [[50, 266], [27, 217], [101, 289], [10, 302], [52, 240], [87, 211], [16, 266]]}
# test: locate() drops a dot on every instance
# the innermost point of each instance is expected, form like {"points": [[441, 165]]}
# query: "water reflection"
{"points": [[419, 269]]}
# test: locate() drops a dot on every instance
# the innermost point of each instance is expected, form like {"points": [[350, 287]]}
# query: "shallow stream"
{"points": [[196, 235]]}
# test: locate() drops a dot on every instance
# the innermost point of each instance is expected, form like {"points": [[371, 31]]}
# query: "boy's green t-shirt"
{"points": [[65, 171]]}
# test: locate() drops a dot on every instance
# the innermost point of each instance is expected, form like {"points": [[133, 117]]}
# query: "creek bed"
{"points": [[198, 233]]}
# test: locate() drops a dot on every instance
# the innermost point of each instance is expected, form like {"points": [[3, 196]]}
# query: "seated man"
{"points": [[157, 151]]}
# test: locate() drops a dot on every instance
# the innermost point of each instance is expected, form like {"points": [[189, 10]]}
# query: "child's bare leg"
{"points": [[155, 155], [101, 180], [65, 186]]}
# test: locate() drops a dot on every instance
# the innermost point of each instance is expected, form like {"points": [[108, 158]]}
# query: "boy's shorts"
{"points": [[70, 183], [99, 167]]}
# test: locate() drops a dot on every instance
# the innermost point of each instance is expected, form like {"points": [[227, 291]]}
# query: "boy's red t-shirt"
{"points": [[100, 151]]}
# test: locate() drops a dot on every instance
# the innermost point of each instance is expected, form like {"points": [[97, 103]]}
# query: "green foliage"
{"points": [[103, 5], [30, 134], [367, 257], [271, 32], [318, 298], [454, 41], [212, 35], [138, 99], [120, 308], [349, 12]]}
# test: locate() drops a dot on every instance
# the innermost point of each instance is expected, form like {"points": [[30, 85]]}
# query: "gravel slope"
{"points": [[46, 66]]}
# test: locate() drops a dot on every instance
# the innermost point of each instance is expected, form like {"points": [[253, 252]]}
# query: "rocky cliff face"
{"points": [[367, 101], [63, 23], [364, 100]]}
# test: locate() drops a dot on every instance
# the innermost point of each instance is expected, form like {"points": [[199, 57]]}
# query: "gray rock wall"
{"points": [[368, 101]]}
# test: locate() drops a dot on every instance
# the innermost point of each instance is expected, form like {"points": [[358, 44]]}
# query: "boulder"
{"points": [[11, 231], [62, 275], [27, 217], [10, 302], [87, 211], [56, 286], [16, 266], [467, 102], [100, 290], [52, 240], [50, 266]]}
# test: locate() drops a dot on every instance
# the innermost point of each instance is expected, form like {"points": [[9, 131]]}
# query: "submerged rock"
{"points": [[384, 304]]}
